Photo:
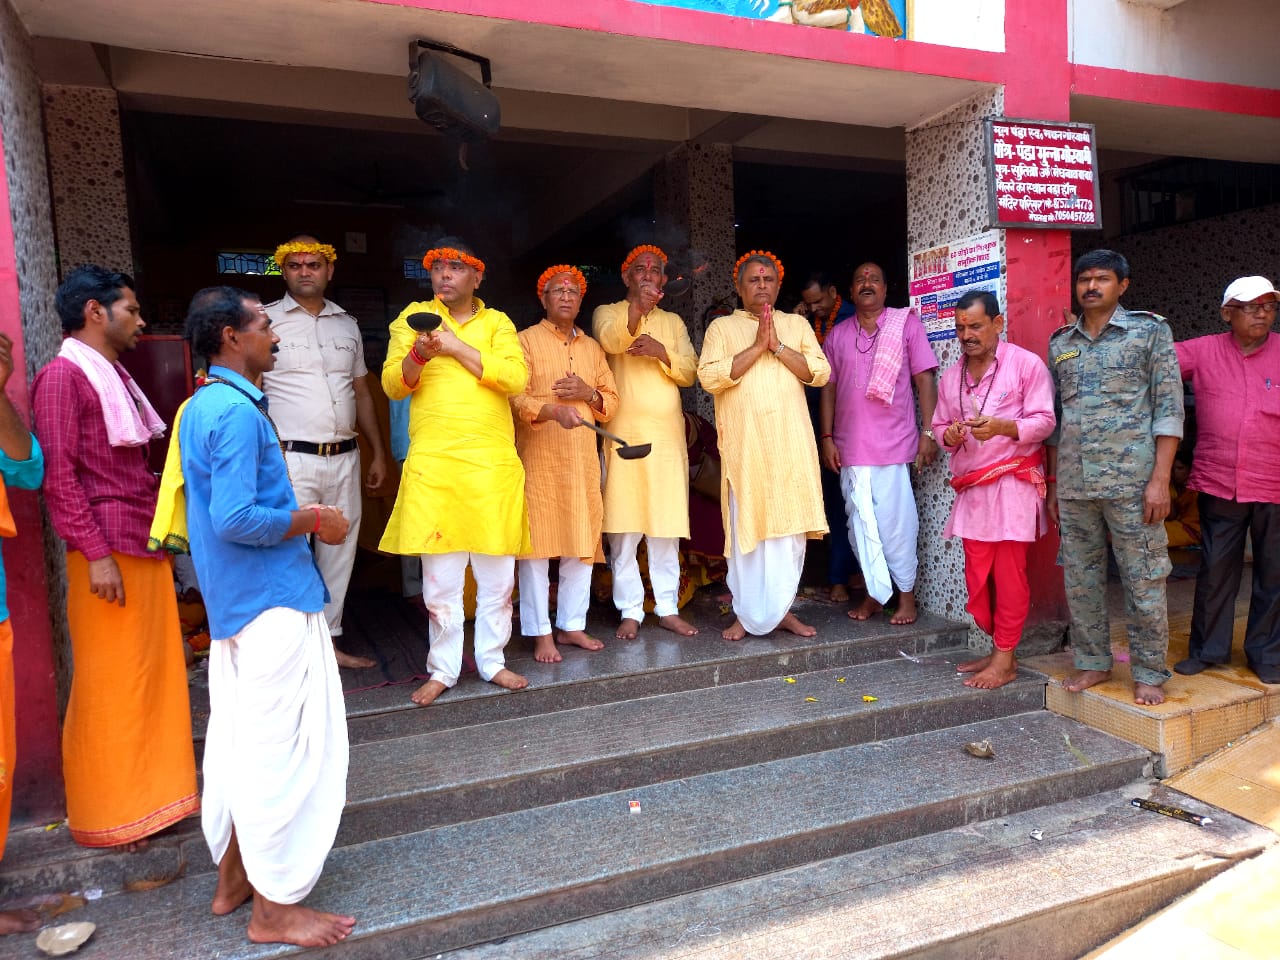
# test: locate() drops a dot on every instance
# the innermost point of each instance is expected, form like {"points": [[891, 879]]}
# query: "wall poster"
{"points": [[941, 275]]}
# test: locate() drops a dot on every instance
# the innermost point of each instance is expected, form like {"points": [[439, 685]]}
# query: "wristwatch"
{"points": [[929, 434]]}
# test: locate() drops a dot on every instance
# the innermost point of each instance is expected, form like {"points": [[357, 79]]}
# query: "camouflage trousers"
{"points": [[1142, 554]]}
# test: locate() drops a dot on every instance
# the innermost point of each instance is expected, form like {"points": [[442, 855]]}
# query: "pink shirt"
{"points": [[1237, 417], [1016, 387], [869, 433]]}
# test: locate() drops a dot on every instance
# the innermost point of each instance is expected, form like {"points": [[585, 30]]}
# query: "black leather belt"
{"points": [[321, 449]]}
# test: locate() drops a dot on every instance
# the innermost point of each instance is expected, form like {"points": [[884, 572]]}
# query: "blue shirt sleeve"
{"points": [[23, 474]]}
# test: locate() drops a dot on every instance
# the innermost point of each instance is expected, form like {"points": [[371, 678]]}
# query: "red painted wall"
{"points": [[37, 788]]}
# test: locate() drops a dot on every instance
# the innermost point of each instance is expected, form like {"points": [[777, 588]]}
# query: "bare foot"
{"points": [[1001, 668], [1085, 679], [839, 593], [1147, 694], [296, 924], [735, 631], [349, 660], [544, 649], [677, 624], [426, 694], [509, 680], [906, 609], [791, 623], [233, 882], [628, 629], [137, 846], [974, 666], [867, 609], [18, 921], [579, 638]]}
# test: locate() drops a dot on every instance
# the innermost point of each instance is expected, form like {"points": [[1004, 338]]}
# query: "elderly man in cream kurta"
{"points": [[651, 358], [756, 363]]}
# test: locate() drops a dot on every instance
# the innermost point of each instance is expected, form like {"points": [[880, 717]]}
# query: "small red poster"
{"points": [[1042, 174]]}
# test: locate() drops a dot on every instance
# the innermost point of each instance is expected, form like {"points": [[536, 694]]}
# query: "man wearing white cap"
{"points": [[1236, 376]]}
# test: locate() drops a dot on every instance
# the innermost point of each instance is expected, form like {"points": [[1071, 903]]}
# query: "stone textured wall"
{"points": [[86, 173], [1181, 271], [693, 199], [29, 208], [946, 201]]}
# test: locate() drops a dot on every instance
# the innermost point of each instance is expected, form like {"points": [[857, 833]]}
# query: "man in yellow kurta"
{"points": [[756, 364], [569, 384], [461, 497], [652, 358]]}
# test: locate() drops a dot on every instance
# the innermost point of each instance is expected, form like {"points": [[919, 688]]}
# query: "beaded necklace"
{"points": [[973, 387]]}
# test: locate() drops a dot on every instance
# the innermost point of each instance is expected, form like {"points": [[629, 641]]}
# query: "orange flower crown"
{"points": [[449, 253], [294, 246], [757, 253], [643, 248], [551, 273]]}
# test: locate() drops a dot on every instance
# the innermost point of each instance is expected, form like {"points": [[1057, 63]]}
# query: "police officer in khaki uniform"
{"points": [[1118, 400]]}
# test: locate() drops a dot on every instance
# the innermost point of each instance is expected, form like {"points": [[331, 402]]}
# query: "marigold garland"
{"points": [[450, 253], [634, 255], [757, 253], [821, 328], [296, 246], [552, 272]]}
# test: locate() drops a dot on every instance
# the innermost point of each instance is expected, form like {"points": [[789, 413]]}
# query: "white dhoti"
{"points": [[334, 481], [443, 575], [573, 596], [275, 758], [764, 581], [883, 526], [664, 574]]}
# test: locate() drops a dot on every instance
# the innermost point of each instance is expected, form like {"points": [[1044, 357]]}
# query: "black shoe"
{"points": [[1191, 666], [1267, 672]]}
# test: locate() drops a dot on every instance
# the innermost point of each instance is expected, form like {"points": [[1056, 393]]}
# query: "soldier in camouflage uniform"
{"points": [[1118, 399]]}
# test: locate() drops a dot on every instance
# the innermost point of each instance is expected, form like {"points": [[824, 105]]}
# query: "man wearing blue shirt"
{"points": [[275, 762], [21, 466]]}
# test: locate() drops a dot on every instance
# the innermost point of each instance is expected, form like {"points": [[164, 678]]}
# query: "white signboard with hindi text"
{"points": [[941, 275]]}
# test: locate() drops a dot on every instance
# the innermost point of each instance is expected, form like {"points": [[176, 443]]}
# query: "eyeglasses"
{"points": [[1256, 309]]}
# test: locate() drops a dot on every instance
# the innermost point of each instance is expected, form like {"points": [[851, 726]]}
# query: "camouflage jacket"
{"points": [[1113, 396]]}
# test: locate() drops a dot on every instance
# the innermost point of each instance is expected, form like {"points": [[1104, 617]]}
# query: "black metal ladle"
{"points": [[627, 451]]}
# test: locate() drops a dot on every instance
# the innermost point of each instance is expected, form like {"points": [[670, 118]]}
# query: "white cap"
{"points": [[1248, 289]]}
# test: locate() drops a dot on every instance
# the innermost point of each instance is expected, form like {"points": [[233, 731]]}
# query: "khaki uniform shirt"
{"points": [[311, 391]]}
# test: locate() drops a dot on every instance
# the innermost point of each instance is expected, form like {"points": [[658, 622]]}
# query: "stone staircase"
{"points": [[633, 800]]}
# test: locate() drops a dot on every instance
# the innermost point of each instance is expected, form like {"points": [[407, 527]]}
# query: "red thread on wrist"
{"points": [[417, 358], [1050, 479], [317, 510], [828, 436]]}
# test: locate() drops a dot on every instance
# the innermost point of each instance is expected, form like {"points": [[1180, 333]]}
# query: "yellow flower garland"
{"points": [[324, 249]]}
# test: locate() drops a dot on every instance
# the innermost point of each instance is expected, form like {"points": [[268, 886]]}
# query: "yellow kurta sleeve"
{"points": [[400, 340], [607, 387], [503, 365], [797, 334], [609, 327], [525, 405], [716, 362], [683, 368]]}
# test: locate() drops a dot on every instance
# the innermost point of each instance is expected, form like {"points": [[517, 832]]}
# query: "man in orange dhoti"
{"points": [[127, 755], [21, 465], [569, 383]]}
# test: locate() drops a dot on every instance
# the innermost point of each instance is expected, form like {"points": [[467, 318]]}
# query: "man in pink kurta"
{"points": [[995, 407], [1236, 376], [869, 436]]}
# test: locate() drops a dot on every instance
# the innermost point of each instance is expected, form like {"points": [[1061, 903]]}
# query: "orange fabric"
{"points": [[562, 467], [8, 731], [7, 527], [1183, 524], [127, 754]]}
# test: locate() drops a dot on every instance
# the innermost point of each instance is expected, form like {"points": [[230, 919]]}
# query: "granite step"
{"points": [[657, 663], [431, 779], [987, 890], [449, 887]]}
